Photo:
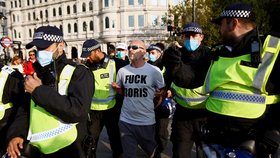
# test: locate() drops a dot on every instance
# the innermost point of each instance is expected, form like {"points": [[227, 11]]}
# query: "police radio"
{"points": [[255, 52], [105, 62]]}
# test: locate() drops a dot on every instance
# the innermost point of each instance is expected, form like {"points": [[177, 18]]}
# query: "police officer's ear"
{"points": [[232, 23]]}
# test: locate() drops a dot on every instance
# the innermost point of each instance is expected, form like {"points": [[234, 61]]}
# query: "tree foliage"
{"points": [[266, 11]]}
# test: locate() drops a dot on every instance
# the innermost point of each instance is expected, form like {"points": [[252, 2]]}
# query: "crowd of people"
{"points": [[222, 101]]}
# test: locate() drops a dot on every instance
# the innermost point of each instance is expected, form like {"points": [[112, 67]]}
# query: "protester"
{"points": [[27, 65], [105, 106], [243, 83], [60, 95], [139, 82], [121, 52], [16, 63], [12, 94], [111, 50], [186, 68]]}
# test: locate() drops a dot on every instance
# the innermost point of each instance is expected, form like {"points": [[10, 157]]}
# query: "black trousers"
{"points": [[109, 119], [162, 133], [185, 131]]}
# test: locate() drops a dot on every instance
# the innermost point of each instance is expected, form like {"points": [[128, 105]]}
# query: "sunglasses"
{"points": [[134, 47]]}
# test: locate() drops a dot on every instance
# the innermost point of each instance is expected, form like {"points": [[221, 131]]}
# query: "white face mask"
{"points": [[45, 57]]}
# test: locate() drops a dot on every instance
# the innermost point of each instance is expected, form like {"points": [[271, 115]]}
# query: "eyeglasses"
{"points": [[134, 47]]}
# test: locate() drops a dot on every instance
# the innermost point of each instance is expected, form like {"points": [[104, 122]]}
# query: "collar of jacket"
{"points": [[243, 47]]}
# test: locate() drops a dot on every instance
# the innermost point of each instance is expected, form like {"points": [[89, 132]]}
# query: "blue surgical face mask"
{"points": [[44, 57], [191, 45], [152, 57], [120, 54]]}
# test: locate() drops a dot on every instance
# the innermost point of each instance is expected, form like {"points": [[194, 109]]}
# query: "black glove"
{"points": [[171, 57]]}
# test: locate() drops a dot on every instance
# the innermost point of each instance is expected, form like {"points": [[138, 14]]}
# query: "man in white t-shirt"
{"points": [[139, 82]]}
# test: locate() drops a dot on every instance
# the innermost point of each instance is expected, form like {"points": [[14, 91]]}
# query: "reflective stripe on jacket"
{"points": [[47, 132], [238, 90], [189, 98], [104, 94], [3, 107]]}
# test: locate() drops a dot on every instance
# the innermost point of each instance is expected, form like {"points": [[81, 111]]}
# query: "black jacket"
{"points": [[188, 69], [13, 92], [72, 108]]}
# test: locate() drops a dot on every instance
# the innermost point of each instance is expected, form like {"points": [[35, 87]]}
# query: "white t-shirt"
{"points": [[139, 89]]}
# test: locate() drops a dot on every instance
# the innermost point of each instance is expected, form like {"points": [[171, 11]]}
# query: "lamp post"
{"points": [[3, 24]]}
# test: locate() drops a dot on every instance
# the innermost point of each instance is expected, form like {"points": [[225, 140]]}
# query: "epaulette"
{"points": [[216, 47], [8, 69]]}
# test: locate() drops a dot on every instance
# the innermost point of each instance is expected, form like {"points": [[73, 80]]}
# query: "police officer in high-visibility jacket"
{"points": [[243, 86], [60, 94], [105, 106], [186, 67], [11, 97]]}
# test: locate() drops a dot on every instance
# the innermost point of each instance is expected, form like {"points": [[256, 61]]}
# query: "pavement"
{"points": [[104, 150]]}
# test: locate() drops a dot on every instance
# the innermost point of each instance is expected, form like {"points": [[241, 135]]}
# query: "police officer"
{"points": [[162, 121], [11, 97], [60, 95], [186, 68], [105, 105], [243, 83]]}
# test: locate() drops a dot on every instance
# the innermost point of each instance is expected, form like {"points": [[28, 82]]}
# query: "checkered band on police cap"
{"points": [[44, 36], [236, 10], [236, 13], [88, 46], [192, 27]]}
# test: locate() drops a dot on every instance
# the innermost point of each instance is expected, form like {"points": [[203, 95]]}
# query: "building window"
{"points": [[68, 9], [19, 35], [113, 23], [15, 34], [131, 21], [84, 7], [140, 20], [29, 16], [12, 5], [69, 28], [14, 18], [30, 33], [61, 28], [130, 2], [46, 14], [33, 2], [91, 26], [106, 3], [17, 18], [19, 3], [41, 14], [34, 16], [90, 6], [59, 11], [54, 12], [46, 0], [15, 4], [113, 2], [28, 2], [154, 19], [75, 27], [140, 2], [107, 23], [74, 8], [84, 26]]}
